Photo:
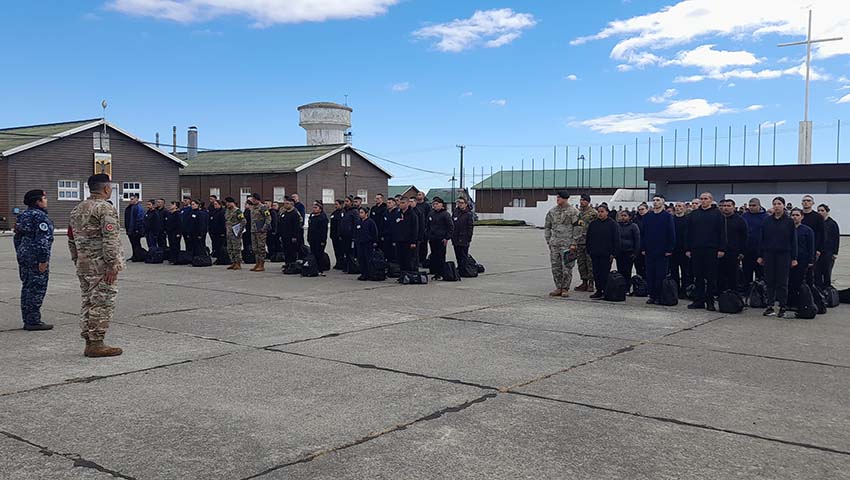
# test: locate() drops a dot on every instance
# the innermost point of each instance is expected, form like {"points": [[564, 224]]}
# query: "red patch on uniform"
{"points": [[110, 227]]}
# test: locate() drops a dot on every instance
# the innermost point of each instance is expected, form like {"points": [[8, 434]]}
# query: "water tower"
{"points": [[326, 123]]}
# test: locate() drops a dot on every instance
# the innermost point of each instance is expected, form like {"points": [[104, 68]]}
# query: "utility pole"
{"points": [[462, 148], [804, 149]]}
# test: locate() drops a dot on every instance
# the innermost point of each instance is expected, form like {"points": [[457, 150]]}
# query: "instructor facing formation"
{"points": [[562, 231], [96, 251]]}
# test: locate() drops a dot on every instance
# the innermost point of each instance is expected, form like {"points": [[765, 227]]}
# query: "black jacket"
{"points": [[317, 229], [153, 223], [832, 237], [349, 221], [366, 232], [274, 218], [335, 218], [814, 220], [171, 223], [705, 230], [603, 238], [440, 225], [629, 238], [290, 227], [406, 227], [735, 229], [424, 210], [198, 222], [218, 226], [805, 245], [464, 223], [681, 225], [390, 224], [377, 215], [778, 236]]}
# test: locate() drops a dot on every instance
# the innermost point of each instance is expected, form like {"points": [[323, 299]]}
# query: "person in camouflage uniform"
{"points": [[33, 241], [586, 215], [261, 220], [232, 217], [562, 230], [97, 252]]}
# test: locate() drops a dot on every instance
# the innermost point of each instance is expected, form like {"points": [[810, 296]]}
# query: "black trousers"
{"points": [[162, 241], [823, 269], [640, 265], [174, 246], [704, 264], [796, 276], [197, 245], [406, 257], [462, 257], [339, 255], [422, 248], [657, 267], [346, 246], [750, 266], [136, 245], [680, 270], [727, 275], [364, 258], [218, 244], [777, 266], [625, 262], [389, 251], [290, 250], [152, 243], [438, 257], [601, 268]]}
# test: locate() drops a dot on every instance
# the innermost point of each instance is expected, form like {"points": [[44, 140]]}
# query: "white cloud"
{"points": [[844, 87], [731, 85], [466, 94], [769, 125], [487, 28], [401, 87], [748, 74], [571, 77], [844, 99], [664, 97], [754, 108], [264, 12], [678, 111], [500, 102], [707, 58], [624, 67]]}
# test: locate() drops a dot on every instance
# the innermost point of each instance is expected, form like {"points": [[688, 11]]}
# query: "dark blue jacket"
{"points": [[366, 232], [184, 219], [603, 238], [658, 235], [197, 223], [350, 220], [302, 210], [33, 236], [134, 219], [754, 222], [153, 223], [705, 230], [805, 245], [778, 235]]}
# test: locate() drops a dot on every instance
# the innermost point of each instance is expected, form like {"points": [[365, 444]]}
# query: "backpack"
{"points": [[427, 262], [393, 270], [155, 256], [378, 267], [478, 266], [819, 296], [450, 273], [806, 308], [729, 302], [309, 266], [248, 257], [223, 258], [691, 292], [669, 292], [639, 287], [843, 295], [183, 258], [413, 278], [470, 271], [758, 295], [303, 251], [293, 268], [202, 260], [324, 262], [616, 289], [831, 297], [277, 257], [353, 266]]}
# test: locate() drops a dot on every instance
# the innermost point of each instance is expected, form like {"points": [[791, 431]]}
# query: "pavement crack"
{"points": [[538, 329], [752, 355], [693, 327], [686, 423], [77, 459], [374, 435]]}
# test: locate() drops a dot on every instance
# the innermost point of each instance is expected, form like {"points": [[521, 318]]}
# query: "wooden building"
{"points": [[58, 158], [403, 190]]}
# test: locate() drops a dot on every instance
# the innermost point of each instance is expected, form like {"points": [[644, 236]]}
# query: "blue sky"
{"points": [[509, 79]]}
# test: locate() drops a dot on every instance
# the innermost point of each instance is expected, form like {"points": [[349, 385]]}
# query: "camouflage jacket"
{"points": [[562, 226], [585, 217], [261, 218], [33, 235], [93, 238], [233, 217]]}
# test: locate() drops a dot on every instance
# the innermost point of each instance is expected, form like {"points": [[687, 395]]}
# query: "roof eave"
{"points": [[50, 138]]}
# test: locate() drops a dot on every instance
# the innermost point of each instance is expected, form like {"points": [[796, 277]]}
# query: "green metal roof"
{"points": [[394, 190], [616, 177], [447, 194], [254, 160], [15, 137]]}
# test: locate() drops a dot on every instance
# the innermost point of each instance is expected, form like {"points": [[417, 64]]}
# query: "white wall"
{"points": [[839, 204]]}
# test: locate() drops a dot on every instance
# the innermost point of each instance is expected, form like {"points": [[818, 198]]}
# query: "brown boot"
{"points": [[582, 287], [556, 292], [255, 267], [237, 266], [96, 348], [565, 292], [232, 266], [590, 288], [261, 267]]}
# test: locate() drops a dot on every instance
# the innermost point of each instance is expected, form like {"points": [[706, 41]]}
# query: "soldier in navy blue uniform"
{"points": [[388, 233], [33, 241], [173, 229], [406, 236], [153, 226], [377, 214], [336, 240], [197, 223], [349, 220], [365, 240]]}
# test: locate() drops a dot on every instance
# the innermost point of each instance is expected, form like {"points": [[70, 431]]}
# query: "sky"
{"points": [[513, 81]]}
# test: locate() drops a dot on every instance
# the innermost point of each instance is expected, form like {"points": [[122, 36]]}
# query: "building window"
{"points": [[518, 202], [279, 194], [68, 189], [185, 192], [216, 192], [244, 193], [346, 160], [364, 194], [131, 188], [328, 196]]}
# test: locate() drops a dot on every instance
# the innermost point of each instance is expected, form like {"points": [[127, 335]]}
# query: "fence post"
{"points": [[758, 149], [774, 143], [636, 160], [715, 145], [567, 166], [838, 142], [624, 165], [745, 145], [662, 151], [700, 146], [612, 167], [675, 145], [688, 156], [729, 157]]}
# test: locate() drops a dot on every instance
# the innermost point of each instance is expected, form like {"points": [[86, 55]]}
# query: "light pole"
{"points": [[581, 170]]}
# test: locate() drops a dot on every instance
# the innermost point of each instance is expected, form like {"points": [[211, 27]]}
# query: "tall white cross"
{"points": [[804, 151]]}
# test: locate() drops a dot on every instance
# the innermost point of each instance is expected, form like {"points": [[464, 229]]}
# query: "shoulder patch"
{"points": [[109, 227], [43, 226]]}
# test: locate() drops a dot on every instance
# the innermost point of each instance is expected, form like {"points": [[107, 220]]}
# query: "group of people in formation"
{"points": [[705, 247], [403, 229]]}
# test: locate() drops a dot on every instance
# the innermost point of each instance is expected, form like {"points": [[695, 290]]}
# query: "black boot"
{"points": [[34, 327]]}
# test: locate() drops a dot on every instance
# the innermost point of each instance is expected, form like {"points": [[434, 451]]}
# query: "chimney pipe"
{"points": [[157, 139], [174, 140], [192, 143]]}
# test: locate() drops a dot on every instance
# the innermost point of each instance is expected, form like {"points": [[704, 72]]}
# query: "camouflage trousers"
{"points": [[98, 306], [258, 245], [585, 268], [234, 248], [562, 272]]}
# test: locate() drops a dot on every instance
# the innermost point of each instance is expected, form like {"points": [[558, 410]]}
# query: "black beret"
{"points": [[563, 194], [229, 200], [585, 197]]}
